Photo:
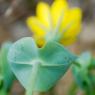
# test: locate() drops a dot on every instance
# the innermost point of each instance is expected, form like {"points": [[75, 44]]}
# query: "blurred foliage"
{"points": [[84, 73], [6, 75]]}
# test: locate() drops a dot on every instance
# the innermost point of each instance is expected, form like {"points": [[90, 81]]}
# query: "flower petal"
{"points": [[57, 10], [73, 31], [68, 41], [74, 19], [76, 13], [69, 37], [36, 26], [38, 30], [43, 13], [40, 41]]}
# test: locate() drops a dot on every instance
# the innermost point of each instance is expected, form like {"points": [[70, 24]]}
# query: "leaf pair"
{"points": [[38, 69]]}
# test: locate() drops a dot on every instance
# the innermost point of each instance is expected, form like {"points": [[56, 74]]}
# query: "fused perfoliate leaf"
{"points": [[5, 71], [38, 69]]}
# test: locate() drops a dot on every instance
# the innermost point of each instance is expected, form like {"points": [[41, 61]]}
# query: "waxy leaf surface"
{"points": [[39, 68]]}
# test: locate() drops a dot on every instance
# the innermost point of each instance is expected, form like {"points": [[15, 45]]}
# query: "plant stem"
{"points": [[34, 74]]}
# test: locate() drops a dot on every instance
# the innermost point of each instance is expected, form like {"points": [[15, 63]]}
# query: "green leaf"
{"points": [[5, 71], [38, 69], [81, 72]]}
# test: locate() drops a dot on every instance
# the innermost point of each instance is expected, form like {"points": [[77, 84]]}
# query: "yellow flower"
{"points": [[56, 22]]}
